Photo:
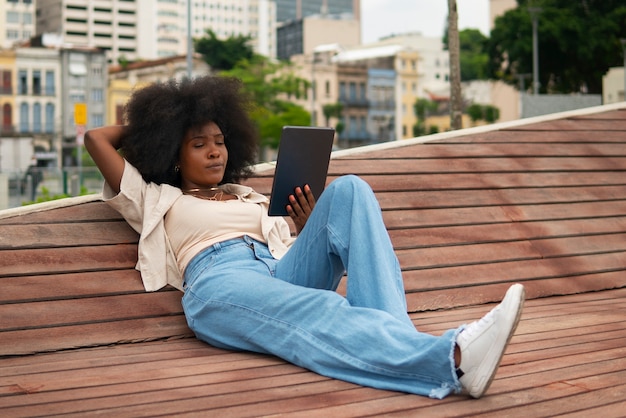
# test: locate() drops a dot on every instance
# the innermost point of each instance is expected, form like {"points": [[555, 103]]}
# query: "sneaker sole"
{"points": [[518, 315]]}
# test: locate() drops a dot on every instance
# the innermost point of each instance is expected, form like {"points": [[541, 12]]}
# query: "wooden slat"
{"points": [[67, 234], [31, 341], [67, 259], [503, 232], [93, 211], [89, 310], [70, 285]]}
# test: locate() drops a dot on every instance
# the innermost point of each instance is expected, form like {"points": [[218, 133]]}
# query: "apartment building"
{"points": [[287, 10], [129, 30], [17, 21]]}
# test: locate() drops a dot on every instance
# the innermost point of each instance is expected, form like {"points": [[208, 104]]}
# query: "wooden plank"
{"points": [[578, 124], [501, 214], [490, 197], [495, 150], [39, 340], [556, 138], [608, 115], [67, 259], [70, 285], [460, 181], [88, 310], [69, 234], [476, 166], [425, 257], [130, 394], [502, 232], [92, 211], [460, 286]]}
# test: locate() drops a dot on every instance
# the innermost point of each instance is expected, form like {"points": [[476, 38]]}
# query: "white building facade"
{"points": [[17, 21], [151, 29]]}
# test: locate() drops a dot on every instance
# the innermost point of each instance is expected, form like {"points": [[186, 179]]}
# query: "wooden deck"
{"points": [[542, 202]]}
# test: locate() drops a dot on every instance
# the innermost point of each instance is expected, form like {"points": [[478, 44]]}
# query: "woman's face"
{"points": [[203, 157]]}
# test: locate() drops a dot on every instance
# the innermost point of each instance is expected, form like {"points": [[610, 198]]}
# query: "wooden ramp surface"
{"points": [[542, 203]]}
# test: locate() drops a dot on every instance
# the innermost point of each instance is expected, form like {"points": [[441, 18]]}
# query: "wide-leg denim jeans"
{"points": [[238, 297]]}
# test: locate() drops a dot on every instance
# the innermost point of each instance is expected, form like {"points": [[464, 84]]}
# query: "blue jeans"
{"points": [[239, 297]]}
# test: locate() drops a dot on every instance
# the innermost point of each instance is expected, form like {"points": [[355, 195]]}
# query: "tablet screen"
{"points": [[303, 157]]}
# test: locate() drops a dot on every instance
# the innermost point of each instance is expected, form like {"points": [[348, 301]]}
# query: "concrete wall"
{"points": [[537, 105]]}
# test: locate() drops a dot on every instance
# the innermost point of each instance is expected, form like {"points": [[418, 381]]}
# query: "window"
{"points": [[342, 90], [24, 117], [22, 82], [37, 117], [36, 82], [50, 88], [7, 118], [13, 17], [97, 120], [97, 95], [352, 90], [49, 118], [6, 87]]}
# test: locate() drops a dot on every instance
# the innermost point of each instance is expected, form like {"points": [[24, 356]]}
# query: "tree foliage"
{"points": [[578, 41], [474, 58], [473, 54], [487, 113], [271, 86], [223, 54]]}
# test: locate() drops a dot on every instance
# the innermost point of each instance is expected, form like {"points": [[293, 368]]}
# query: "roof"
{"points": [[358, 54], [539, 201]]}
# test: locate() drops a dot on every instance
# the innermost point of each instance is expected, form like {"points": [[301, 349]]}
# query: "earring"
{"points": [[177, 168]]}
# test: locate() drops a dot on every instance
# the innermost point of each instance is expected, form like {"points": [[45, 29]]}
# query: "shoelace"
{"points": [[471, 328]]}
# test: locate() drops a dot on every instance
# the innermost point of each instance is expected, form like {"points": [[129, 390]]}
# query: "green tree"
{"points": [[474, 57], [271, 84], [578, 42], [422, 108], [487, 113], [332, 110], [473, 54], [223, 54]]}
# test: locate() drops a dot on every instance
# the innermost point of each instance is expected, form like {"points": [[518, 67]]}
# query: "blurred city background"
{"points": [[70, 65]]}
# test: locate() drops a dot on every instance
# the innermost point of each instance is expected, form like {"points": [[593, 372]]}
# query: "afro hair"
{"points": [[159, 115]]}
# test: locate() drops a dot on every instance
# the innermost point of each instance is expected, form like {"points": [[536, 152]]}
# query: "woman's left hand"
{"points": [[300, 207]]}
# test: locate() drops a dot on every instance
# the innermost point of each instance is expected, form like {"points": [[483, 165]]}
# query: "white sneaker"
{"points": [[482, 343]]}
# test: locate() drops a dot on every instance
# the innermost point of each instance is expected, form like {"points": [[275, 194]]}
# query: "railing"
{"points": [[42, 184]]}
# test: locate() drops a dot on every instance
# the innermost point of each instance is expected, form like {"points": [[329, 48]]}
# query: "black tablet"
{"points": [[303, 157]]}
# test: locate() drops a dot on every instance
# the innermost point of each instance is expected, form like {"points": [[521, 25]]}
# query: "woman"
{"points": [[248, 285]]}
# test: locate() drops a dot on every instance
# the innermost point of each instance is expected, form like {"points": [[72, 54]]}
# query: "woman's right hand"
{"points": [[102, 144]]}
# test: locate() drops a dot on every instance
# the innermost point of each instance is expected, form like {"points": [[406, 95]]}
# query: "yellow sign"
{"points": [[80, 113]]}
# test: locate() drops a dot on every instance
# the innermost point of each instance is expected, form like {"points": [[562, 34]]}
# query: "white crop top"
{"points": [[193, 224]]}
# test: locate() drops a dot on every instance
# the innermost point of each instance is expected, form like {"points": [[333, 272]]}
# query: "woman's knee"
{"points": [[350, 183]]}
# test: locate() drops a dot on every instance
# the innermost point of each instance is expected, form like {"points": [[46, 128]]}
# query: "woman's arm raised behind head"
{"points": [[102, 144]]}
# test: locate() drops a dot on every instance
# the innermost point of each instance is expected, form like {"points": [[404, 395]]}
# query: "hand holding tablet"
{"points": [[303, 158]]}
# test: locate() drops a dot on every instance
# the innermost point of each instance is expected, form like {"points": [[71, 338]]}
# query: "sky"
{"points": [[385, 17]]}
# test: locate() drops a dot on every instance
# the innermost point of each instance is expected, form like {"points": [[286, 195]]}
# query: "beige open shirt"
{"points": [[144, 206]]}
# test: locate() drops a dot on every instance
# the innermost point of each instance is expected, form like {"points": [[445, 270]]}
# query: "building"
{"points": [[287, 10], [433, 61], [614, 86], [145, 29], [17, 21], [302, 36], [124, 79], [402, 65]]}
